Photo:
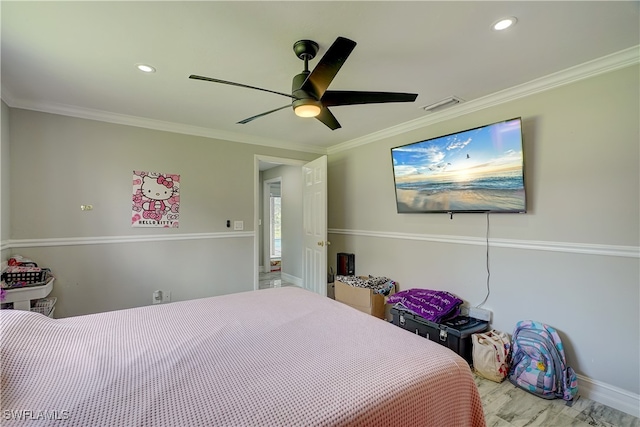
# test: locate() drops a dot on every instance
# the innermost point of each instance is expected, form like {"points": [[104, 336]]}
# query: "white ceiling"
{"points": [[78, 58]]}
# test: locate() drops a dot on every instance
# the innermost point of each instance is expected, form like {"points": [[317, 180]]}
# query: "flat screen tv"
{"points": [[476, 170]]}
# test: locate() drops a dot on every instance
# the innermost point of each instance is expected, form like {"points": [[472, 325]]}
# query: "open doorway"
{"points": [[278, 236], [272, 230], [303, 226]]}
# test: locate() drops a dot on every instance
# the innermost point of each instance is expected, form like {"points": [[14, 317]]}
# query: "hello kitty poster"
{"points": [[156, 200]]}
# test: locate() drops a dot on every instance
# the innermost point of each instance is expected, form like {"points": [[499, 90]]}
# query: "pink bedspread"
{"points": [[275, 357]]}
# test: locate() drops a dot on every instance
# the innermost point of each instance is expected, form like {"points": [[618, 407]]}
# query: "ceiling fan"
{"points": [[309, 88]]}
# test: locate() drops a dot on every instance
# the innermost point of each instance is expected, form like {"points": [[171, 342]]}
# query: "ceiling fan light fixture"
{"points": [[307, 108]]}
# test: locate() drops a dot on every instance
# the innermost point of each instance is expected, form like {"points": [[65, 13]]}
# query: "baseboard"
{"points": [[609, 395], [291, 279]]}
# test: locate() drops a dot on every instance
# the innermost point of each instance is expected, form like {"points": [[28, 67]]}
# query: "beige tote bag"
{"points": [[491, 354]]}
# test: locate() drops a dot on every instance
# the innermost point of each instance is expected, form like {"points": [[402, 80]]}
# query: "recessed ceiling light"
{"points": [[504, 23], [146, 68]]}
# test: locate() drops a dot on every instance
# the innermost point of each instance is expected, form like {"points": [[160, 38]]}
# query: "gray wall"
{"points": [[4, 183], [571, 261], [101, 263]]}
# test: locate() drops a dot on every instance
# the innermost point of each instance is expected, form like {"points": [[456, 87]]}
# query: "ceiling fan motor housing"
{"points": [[302, 97]]}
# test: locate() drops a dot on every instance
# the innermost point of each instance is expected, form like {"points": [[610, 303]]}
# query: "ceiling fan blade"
{"points": [[346, 97], [209, 79], [328, 119], [245, 121], [318, 81]]}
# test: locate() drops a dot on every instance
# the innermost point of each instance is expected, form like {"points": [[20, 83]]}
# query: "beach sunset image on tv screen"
{"points": [[477, 170]]}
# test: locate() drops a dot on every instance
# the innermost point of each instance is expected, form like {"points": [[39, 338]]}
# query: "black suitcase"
{"points": [[454, 334]]}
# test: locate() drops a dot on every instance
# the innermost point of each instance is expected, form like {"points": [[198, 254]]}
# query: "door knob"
{"points": [[321, 243]]}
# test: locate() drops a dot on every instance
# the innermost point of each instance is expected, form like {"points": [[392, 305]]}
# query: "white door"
{"points": [[314, 223]]}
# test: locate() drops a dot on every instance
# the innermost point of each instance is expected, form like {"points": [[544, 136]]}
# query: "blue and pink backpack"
{"points": [[538, 363]]}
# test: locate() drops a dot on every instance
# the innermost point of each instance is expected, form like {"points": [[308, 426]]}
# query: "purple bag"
{"points": [[435, 306]]}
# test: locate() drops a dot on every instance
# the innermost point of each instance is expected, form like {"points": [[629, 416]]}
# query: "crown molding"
{"points": [[123, 119], [536, 245], [612, 62], [615, 61]]}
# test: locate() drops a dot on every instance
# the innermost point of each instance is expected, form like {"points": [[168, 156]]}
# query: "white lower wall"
{"points": [[104, 274]]}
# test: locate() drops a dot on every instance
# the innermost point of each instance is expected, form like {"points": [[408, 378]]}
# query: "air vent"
{"points": [[441, 105]]}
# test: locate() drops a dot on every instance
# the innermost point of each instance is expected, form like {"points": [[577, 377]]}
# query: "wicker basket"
{"points": [[27, 278], [44, 306]]}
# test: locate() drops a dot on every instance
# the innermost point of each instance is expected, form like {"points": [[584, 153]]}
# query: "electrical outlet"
{"points": [[166, 296], [238, 225], [480, 313], [157, 297]]}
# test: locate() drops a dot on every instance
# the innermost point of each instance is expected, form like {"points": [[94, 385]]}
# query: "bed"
{"points": [[273, 357]]}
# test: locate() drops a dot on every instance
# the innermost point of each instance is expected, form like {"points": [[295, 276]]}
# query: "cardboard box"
{"points": [[363, 299]]}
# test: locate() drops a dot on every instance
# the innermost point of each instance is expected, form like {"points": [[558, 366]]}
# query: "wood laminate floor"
{"points": [[506, 405]]}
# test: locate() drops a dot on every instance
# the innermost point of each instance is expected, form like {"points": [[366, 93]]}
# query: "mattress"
{"points": [[273, 357]]}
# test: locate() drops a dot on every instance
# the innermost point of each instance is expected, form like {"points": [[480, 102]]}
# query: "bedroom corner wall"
{"points": [[572, 261], [5, 169], [100, 262]]}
